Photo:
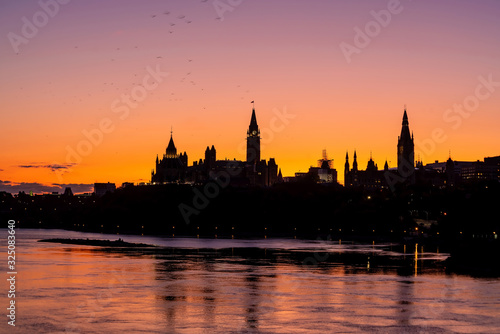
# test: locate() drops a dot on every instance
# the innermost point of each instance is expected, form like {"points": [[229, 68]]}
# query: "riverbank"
{"points": [[284, 210], [96, 242]]}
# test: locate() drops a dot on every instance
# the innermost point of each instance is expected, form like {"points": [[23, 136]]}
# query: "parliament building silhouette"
{"points": [[254, 171]]}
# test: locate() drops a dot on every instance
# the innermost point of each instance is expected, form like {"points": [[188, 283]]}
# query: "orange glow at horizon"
{"points": [[71, 76]]}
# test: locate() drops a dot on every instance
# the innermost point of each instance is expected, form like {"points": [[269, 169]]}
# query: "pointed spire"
{"points": [[405, 136], [171, 150], [355, 162], [157, 159], [346, 165], [253, 122], [405, 118]]}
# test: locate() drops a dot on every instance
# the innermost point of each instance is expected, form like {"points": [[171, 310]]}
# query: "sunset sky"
{"points": [[68, 76]]}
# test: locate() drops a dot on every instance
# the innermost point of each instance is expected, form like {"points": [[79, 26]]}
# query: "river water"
{"points": [[194, 285]]}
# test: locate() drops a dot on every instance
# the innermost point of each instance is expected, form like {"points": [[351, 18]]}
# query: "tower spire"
{"points": [[406, 150], [355, 162], [253, 139], [405, 118], [346, 169], [253, 122], [171, 151]]}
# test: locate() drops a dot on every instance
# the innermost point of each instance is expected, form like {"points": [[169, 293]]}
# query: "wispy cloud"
{"points": [[38, 188], [52, 167]]}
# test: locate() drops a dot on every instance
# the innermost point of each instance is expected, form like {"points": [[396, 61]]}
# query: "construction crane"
{"points": [[325, 162]]}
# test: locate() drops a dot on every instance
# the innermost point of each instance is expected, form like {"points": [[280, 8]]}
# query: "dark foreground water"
{"points": [[242, 286]]}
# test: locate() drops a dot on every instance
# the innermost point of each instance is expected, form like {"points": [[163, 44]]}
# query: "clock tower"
{"points": [[253, 140]]}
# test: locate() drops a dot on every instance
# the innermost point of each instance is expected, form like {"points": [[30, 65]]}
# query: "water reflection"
{"points": [[295, 286], [252, 301], [404, 308], [259, 289]]}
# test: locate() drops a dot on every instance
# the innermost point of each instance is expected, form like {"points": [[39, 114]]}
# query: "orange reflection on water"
{"points": [[89, 289]]}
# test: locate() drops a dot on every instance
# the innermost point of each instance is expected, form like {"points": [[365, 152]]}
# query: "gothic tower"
{"points": [[406, 150], [253, 140], [346, 168], [210, 158], [355, 162]]}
